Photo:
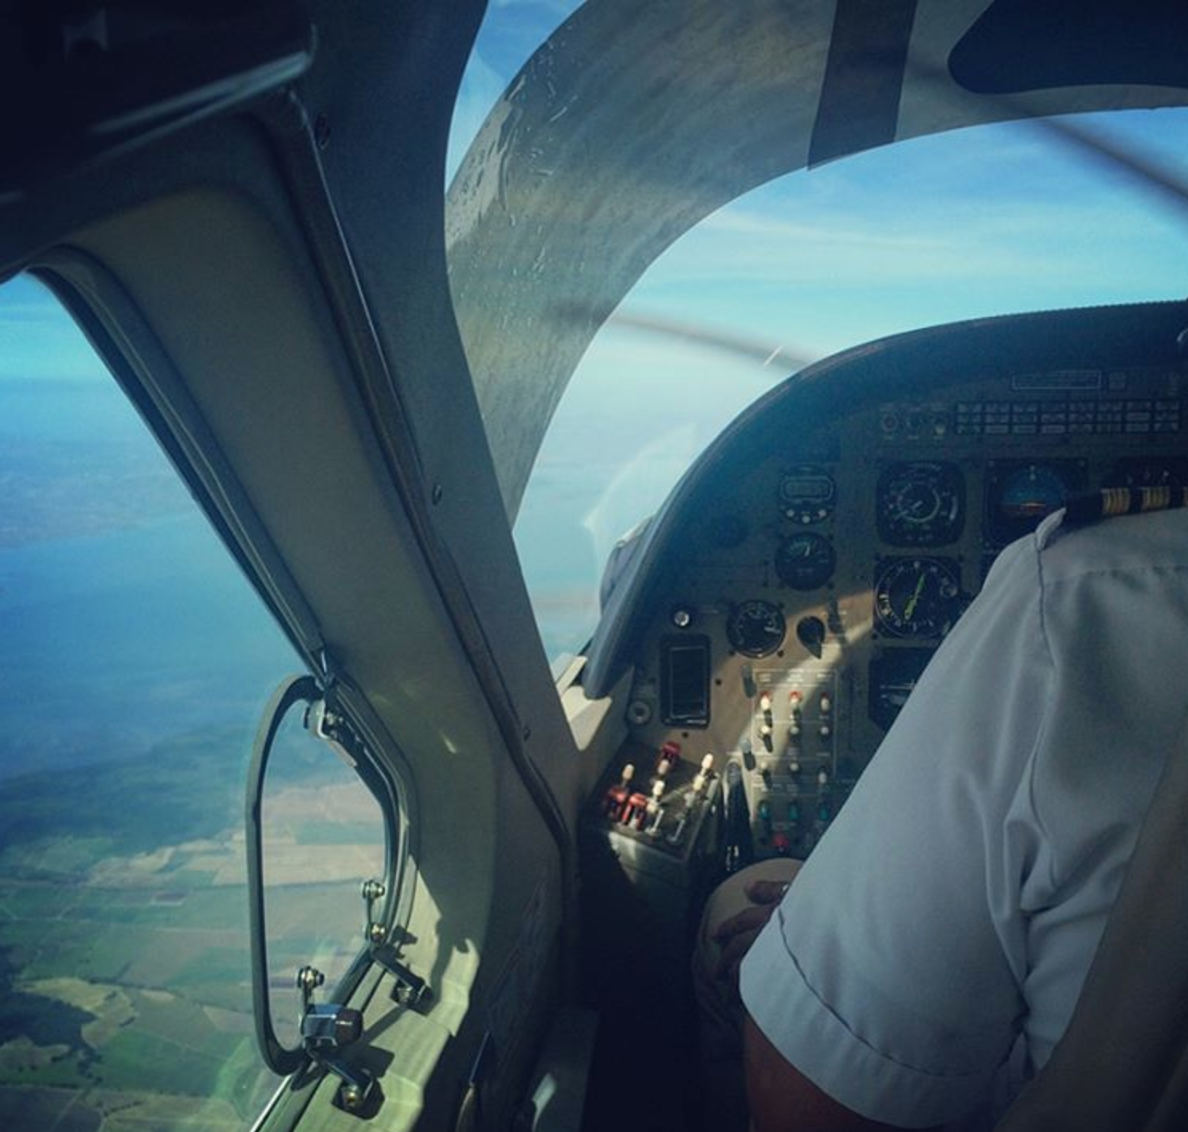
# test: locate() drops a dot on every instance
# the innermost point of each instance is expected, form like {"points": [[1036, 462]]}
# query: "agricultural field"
{"points": [[125, 987]]}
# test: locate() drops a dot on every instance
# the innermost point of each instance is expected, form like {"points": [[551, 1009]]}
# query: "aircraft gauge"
{"points": [[921, 503], [755, 628], [917, 597], [893, 676], [1020, 494], [805, 561]]}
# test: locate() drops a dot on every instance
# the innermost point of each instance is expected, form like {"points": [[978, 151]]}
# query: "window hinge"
{"points": [[410, 989]]}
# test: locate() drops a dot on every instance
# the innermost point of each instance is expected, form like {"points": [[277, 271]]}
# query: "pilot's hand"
{"points": [[735, 935]]}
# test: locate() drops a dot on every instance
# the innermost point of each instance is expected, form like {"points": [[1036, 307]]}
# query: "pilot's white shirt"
{"points": [[957, 901]]}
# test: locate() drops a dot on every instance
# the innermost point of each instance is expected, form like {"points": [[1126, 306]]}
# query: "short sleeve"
{"points": [[891, 975]]}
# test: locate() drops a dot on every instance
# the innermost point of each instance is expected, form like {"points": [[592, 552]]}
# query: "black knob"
{"points": [[810, 631]]}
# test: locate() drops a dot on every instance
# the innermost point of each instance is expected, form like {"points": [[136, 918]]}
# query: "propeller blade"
{"points": [[1159, 180], [646, 322]]}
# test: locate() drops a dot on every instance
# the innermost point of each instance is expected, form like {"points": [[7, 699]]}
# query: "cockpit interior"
{"points": [[778, 611], [795, 586], [348, 342]]}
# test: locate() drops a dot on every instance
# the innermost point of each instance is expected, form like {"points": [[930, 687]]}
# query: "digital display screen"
{"points": [[685, 681]]}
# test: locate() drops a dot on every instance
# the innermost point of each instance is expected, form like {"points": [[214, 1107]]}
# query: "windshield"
{"points": [[963, 224]]}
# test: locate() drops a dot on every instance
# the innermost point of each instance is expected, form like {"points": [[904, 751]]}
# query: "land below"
{"points": [[125, 987]]}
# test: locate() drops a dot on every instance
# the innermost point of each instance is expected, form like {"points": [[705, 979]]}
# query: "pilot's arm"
{"points": [[955, 904], [883, 978], [782, 1099]]}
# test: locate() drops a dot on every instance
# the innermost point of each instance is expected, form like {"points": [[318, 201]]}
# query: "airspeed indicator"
{"points": [[921, 504]]}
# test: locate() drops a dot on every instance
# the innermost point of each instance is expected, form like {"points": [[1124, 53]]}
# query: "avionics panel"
{"points": [[819, 578]]}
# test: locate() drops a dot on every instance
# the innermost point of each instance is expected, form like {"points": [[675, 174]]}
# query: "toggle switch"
{"points": [[747, 752], [748, 682], [635, 810]]}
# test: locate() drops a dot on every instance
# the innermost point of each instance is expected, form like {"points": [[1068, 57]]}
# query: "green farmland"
{"points": [[125, 988]]}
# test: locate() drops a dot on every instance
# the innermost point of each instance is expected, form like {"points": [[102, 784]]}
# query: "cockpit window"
{"points": [[322, 839], [510, 33], [815, 263], [136, 663], [964, 224]]}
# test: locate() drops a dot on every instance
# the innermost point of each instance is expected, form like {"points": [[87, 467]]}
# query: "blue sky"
{"points": [[974, 222], [38, 341]]}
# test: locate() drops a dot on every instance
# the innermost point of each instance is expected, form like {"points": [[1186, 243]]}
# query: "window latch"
{"points": [[326, 1030]]}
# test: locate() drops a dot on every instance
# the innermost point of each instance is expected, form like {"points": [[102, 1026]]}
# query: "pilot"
{"points": [[926, 959]]}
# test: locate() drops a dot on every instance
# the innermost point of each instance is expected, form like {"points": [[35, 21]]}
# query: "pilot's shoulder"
{"points": [[1116, 529]]}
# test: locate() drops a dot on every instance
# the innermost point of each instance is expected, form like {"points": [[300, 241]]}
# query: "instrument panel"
{"points": [[813, 587]]}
